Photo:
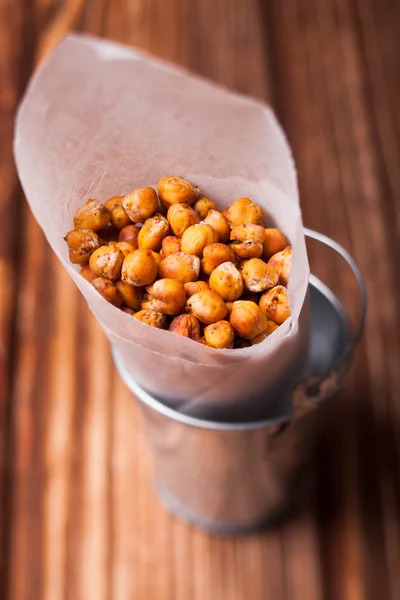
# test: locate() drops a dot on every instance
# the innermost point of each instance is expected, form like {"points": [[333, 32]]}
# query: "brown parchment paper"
{"points": [[99, 119]]}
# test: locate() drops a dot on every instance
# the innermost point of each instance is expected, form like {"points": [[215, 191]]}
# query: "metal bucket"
{"points": [[234, 477]]}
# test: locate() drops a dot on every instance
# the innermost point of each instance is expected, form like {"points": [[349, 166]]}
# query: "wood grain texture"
{"points": [[78, 516]]}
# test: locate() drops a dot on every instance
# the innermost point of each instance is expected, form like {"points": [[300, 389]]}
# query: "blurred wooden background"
{"points": [[78, 518]]}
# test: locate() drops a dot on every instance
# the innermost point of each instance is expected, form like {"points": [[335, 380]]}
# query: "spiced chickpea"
{"points": [[220, 334], [170, 245], [141, 204], [182, 266], [227, 281], [129, 234], [181, 217], [248, 231], [219, 223], [258, 275], [107, 261], [247, 249], [92, 215], [139, 268], [192, 287], [214, 255], [151, 317], [168, 296], [244, 210], [88, 274], [274, 242], [197, 237], [186, 325], [282, 262], [153, 232], [174, 190], [131, 296], [271, 327], [107, 289], [119, 218], [81, 245], [207, 306], [247, 319], [203, 205], [275, 304]]}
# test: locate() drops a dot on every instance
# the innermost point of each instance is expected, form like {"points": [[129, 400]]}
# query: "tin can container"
{"points": [[230, 477]]}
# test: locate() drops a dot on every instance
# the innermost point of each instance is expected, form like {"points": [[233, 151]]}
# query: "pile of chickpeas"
{"points": [[173, 261]]}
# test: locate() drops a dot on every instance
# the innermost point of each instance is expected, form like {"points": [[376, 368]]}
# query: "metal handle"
{"points": [[322, 386]]}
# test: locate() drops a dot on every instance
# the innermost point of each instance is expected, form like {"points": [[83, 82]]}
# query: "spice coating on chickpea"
{"points": [[174, 190], [214, 255], [131, 296], [192, 287], [182, 266], [153, 232], [258, 276], [139, 268], [151, 317], [181, 217], [244, 210], [274, 242], [275, 304], [203, 205], [119, 218], [107, 289], [81, 244], [282, 262], [219, 223], [92, 215], [207, 306], [187, 325], [227, 281], [197, 237], [247, 319], [220, 334], [107, 261], [141, 204], [247, 249], [129, 234], [167, 296], [248, 231]]}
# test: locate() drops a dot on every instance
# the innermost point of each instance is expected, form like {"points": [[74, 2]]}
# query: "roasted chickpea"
{"points": [[192, 287], [151, 317], [168, 296], [275, 304], [197, 237], [125, 247], [88, 274], [181, 217], [139, 268], [227, 281], [129, 234], [203, 205], [247, 249], [282, 262], [170, 245], [258, 275], [107, 261], [187, 325], [182, 266], [263, 336], [141, 204], [131, 296], [81, 244], [245, 211], [248, 231], [219, 334], [93, 215], [119, 218], [207, 306], [107, 289], [274, 242], [153, 232], [174, 190], [247, 319], [214, 255], [219, 223]]}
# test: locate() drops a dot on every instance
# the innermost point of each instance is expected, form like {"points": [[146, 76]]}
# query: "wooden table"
{"points": [[79, 520]]}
